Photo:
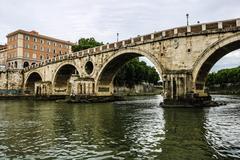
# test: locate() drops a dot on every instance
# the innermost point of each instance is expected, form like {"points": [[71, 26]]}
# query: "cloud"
{"points": [[229, 61]]}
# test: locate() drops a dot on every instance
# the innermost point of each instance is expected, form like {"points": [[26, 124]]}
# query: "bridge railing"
{"points": [[203, 28]]}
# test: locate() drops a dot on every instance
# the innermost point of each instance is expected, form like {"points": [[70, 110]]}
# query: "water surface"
{"points": [[133, 129]]}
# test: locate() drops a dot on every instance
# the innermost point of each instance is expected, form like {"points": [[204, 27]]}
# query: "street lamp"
{"points": [[187, 15], [117, 36]]}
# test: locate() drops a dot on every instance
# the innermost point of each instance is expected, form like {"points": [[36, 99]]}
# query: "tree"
{"points": [[224, 76], [136, 72], [85, 43]]}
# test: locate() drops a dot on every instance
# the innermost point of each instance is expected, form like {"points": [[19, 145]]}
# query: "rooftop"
{"points": [[36, 34]]}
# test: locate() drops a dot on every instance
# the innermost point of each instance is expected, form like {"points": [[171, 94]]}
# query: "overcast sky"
{"points": [[102, 19]]}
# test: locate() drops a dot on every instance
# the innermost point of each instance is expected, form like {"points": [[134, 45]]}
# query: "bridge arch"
{"points": [[109, 69], [25, 64], [63, 73], [210, 56], [32, 78]]}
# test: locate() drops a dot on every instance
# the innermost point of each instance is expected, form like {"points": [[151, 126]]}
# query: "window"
{"points": [[60, 45], [42, 41], [35, 39], [47, 56], [27, 46], [15, 64], [26, 54], [27, 38], [48, 50], [41, 57], [49, 43], [60, 52], [54, 51], [35, 47], [42, 48], [34, 56], [55, 44]]}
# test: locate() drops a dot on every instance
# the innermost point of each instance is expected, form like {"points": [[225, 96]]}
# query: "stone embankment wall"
{"points": [[141, 89], [226, 88], [11, 82]]}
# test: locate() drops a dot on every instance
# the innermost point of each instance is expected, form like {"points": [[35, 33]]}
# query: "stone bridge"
{"points": [[183, 56]]}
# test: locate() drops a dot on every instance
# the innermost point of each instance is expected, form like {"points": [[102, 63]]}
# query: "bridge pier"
{"points": [[176, 85], [179, 90]]}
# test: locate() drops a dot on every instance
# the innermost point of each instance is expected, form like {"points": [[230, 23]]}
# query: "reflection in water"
{"points": [[133, 129], [185, 135]]}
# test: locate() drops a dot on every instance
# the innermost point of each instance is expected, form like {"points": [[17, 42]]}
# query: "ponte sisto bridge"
{"points": [[183, 56]]}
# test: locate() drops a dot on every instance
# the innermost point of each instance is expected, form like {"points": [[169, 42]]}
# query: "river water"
{"points": [[133, 129]]}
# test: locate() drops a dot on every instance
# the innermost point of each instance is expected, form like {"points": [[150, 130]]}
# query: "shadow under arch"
{"points": [[31, 80], [111, 67], [62, 76], [210, 57]]}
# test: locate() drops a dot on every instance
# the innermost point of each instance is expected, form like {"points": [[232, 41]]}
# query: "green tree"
{"points": [[85, 43], [224, 76], [136, 72]]}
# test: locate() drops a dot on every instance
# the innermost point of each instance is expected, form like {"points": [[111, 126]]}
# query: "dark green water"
{"points": [[134, 129]]}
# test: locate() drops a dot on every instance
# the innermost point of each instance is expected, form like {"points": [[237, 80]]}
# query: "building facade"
{"points": [[3, 57], [27, 48]]}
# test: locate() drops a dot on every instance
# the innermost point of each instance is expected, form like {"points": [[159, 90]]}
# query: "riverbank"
{"points": [[65, 99], [226, 89], [31, 97], [225, 92], [90, 99]]}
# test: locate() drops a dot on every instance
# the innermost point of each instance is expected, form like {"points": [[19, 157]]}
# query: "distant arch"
{"points": [[63, 75], [31, 80], [25, 64]]}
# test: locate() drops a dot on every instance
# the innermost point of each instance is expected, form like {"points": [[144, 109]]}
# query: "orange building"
{"points": [[26, 48]]}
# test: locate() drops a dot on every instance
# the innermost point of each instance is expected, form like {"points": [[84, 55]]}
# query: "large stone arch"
{"points": [[62, 74], [30, 81], [210, 56], [107, 72], [61, 64]]}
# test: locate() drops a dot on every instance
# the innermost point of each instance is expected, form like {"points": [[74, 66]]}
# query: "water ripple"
{"points": [[133, 129]]}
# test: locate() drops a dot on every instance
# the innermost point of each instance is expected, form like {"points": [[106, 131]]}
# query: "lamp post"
{"points": [[117, 36], [187, 15]]}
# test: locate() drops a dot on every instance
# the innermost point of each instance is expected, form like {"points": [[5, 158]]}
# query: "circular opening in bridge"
{"points": [[89, 67]]}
